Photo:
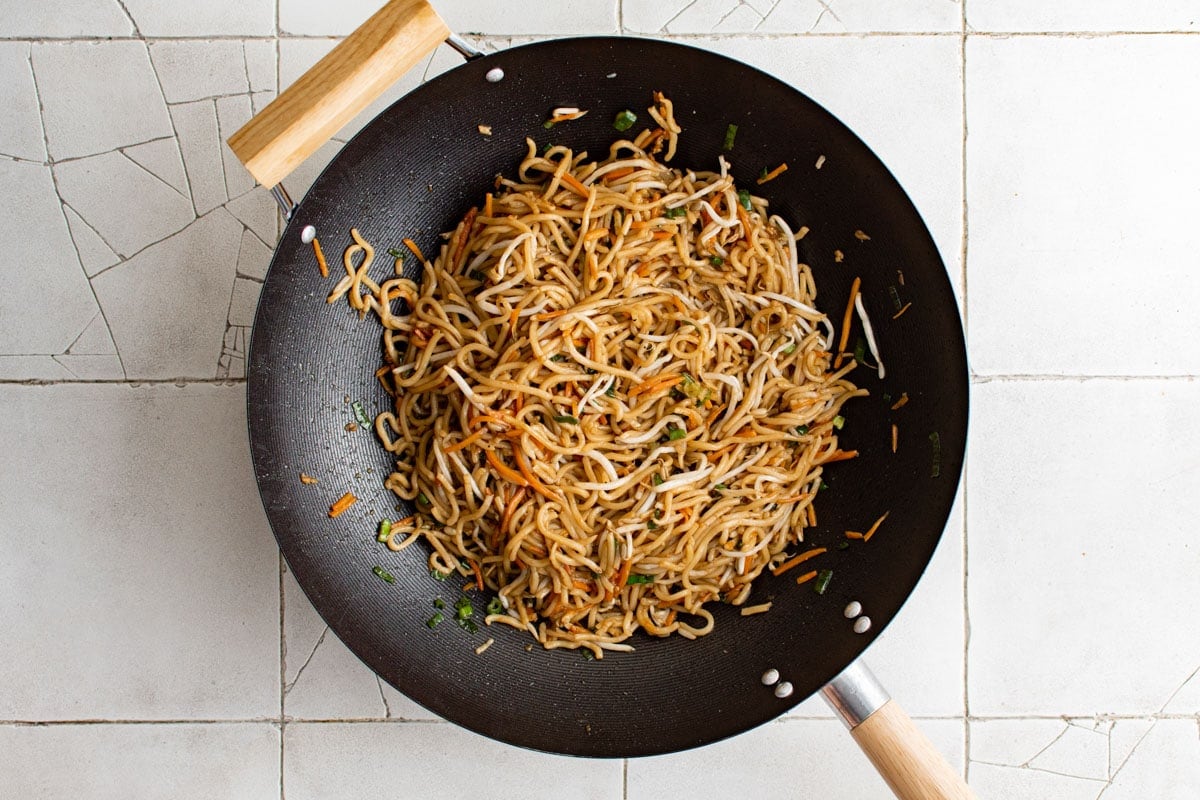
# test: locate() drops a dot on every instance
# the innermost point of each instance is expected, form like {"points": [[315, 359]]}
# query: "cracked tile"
{"points": [[45, 301], [1187, 699], [212, 18], [260, 100], [184, 762], [200, 69], [93, 368], [21, 124], [790, 16], [121, 201], [1045, 466], [162, 158], [1164, 765], [1126, 735], [256, 209], [1097, 15], [62, 19], [254, 258], [244, 302], [233, 113], [97, 97], [775, 759], [181, 626], [33, 368], [167, 305], [200, 143], [94, 254], [302, 17], [324, 680], [94, 341], [260, 64]]}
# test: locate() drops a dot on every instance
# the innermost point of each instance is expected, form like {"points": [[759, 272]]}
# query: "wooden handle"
{"points": [[911, 765], [336, 88]]}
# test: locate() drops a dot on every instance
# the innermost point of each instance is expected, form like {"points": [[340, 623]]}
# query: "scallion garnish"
{"points": [[791, 348], [495, 606], [843, 544], [423, 499], [651, 525], [477, 275], [762, 176], [839, 421], [558, 358], [437, 576], [720, 487], [860, 350], [463, 608], [730, 135], [801, 430], [823, 485], [624, 120], [396, 254], [435, 620], [547, 148], [385, 530], [467, 625], [566, 419], [744, 198], [438, 603], [656, 479], [588, 655], [658, 512], [360, 414], [383, 574], [675, 213], [822, 581], [611, 391], [633, 580], [716, 261], [675, 434]]}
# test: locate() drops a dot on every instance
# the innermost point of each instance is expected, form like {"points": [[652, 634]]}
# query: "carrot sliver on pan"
{"points": [[806, 577], [845, 337], [343, 502], [853, 535], [773, 174], [320, 254], [478, 574], [841, 455], [800, 559], [871, 531], [416, 251]]}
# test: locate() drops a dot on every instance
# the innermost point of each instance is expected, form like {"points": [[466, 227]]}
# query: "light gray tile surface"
{"points": [[139, 579], [140, 762], [1093, 15]]}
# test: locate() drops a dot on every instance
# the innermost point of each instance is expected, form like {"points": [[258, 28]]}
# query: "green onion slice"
{"points": [[822, 582], [385, 530], [624, 120], [566, 419], [383, 574], [435, 620], [839, 421], [633, 580], [495, 606], [730, 135], [360, 414], [744, 198]]}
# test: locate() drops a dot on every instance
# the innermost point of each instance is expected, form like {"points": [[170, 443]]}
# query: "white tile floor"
{"points": [[149, 633]]}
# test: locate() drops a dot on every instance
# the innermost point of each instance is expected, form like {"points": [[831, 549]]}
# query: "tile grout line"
{"points": [[625, 779], [963, 533]]}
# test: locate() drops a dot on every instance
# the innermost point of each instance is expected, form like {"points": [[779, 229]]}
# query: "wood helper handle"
{"points": [[904, 757], [306, 114]]}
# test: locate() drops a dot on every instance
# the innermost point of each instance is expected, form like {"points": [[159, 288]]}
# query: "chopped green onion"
{"points": [[438, 603], [383, 574], [463, 608], [547, 148], [437, 576], [652, 525], [762, 176], [860, 350], [633, 580], [558, 358], [936, 468], [791, 348], [887, 398], [495, 606], [744, 198], [566, 419], [656, 479], [396, 254], [611, 391], [423, 499], [730, 135], [675, 434], [839, 421], [693, 389], [720, 487], [624, 120], [467, 625], [822, 582], [843, 544], [588, 655], [435, 620], [658, 513], [548, 124], [476, 275], [675, 213], [801, 430], [716, 261], [895, 293], [360, 414], [385, 530], [823, 485]]}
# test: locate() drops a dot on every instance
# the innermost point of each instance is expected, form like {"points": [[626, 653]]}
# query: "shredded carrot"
{"points": [[845, 337], [773, 174], [596, 233], [812, 515], [618, 173], [806, 577], [474, 437], [460, 243], [901, 311], [655, 384], [519, 403], [642, 269], [871, 531], [746, 433], [478, 574], [900, 275], [550, 314], [406, 521], [504, 471], [901, 403], [660, 235], [895, 437], [841, 455], [853, 535], [642, 224], [686, 513], [320, 254], [584, 585], [744, 218], [510, 508], [487, 205], [622, 575], [343, 502], [573, 182], [713, 416], [530, 478], [506, 421], [512, 320], [670, 618], [416, 251], [799, 559], [796, 498]]}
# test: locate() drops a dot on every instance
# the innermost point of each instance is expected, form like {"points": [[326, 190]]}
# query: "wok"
{"points": [[413, 172]]}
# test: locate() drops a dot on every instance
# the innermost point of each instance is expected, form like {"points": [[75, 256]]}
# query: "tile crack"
{"points": [[292, 684]]}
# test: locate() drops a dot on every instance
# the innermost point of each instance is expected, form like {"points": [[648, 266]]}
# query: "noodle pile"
{"points": [[614, 396]]}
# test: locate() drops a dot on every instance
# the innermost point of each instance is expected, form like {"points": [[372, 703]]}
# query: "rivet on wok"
{"points": [[307, 234], [862, 624], [494, 75], [770, 677], [853, 609], [783, 690]]}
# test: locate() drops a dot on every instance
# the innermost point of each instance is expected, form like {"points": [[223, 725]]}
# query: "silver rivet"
{"points": [[783, 690], [770, 677], [307, 234], [862, 624], [494, 75], [853, 609], [611, 75]]}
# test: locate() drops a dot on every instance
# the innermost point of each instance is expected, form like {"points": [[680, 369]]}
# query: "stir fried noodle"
{"points": [[614, 396]]}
